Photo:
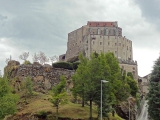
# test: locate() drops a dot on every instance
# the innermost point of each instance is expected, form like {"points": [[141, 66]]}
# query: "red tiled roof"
{"points": [[100, 24]]}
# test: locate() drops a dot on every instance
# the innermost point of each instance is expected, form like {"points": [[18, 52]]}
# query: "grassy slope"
{"points": [[40, 102]]}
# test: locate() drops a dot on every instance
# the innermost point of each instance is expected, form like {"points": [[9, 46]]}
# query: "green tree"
{"points": [[79, 78], [59, 94], [88, 76], [130, 75], [7, 99], [154, 92], [133, 86]]}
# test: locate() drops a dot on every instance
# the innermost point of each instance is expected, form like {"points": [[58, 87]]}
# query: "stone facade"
{"points": [[101, 37], [144, 84]]}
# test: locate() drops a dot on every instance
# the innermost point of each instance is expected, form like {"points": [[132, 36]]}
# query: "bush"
{"points": [[27, 62], [42, 114], [75, 65], [65, 65]]}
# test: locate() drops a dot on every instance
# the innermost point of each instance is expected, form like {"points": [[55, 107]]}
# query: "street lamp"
{"points": [[129, 106], [102, 81]]}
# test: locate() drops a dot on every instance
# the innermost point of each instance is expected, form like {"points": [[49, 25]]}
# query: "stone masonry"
{"points": [[44, 77], [98, 36]]}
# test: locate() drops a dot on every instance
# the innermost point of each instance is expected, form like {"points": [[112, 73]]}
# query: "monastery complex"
{"points": [[101, 37]]}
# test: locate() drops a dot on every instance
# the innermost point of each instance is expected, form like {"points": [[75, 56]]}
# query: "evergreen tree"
{"points": [[154, 92], [7, 99]]}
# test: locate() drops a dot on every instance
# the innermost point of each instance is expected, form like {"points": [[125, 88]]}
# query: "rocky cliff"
{"points": [[43, 76]]}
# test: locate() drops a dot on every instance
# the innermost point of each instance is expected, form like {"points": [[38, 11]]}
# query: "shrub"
{"points": [[65, 65], [75, 65], [42, 114], [27, 62]]}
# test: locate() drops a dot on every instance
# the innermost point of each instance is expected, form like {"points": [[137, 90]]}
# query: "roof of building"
{"points": [[102, 24]]}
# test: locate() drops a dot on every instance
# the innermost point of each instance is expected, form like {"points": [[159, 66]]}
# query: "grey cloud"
{"points": [[150, 10], [2, 17]]}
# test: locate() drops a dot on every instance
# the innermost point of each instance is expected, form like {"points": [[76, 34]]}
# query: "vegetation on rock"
{"points": [[7, 99]]}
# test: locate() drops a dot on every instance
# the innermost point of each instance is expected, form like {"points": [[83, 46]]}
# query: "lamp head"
{"points": [[105, 81]]}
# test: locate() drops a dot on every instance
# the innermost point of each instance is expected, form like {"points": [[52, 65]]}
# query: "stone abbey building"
{"points": [[101, 37]]}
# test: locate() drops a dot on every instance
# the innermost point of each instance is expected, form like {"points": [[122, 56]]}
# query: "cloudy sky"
{"points": [[43, 25]]}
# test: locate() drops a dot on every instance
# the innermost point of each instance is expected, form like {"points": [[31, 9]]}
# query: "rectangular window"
{"points": [[108, 43], [100, 43], [115, 44], [119, 44]]}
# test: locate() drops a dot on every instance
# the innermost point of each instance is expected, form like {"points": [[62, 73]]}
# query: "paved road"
{"points": [[144, 112]]}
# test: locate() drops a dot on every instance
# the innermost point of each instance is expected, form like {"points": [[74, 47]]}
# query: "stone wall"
{"points": [[43, 76]]}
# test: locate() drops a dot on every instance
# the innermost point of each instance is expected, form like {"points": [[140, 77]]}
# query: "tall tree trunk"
{"points": [[90, 110], [83, 99], [57, 112]]}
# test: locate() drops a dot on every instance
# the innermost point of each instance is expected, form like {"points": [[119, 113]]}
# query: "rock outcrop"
{"points": [[43, 76]]}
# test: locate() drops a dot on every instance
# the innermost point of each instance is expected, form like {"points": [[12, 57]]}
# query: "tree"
{"points": [[35, 58], [40, 57], [132, 83], [53, 58], [8, 59], [154, 92], [88, 76], [24, 56], [59, 94], [130, 75], [7, 99]]}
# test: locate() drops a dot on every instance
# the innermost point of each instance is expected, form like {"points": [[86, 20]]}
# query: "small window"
{"points": [[115, 52], [119, 44], [127, 47], [123, 45], [108, 43], [93, 42], [100, 43], [115, 44]]}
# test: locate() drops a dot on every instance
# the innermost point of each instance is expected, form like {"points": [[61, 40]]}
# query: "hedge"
{"points": [[66, 65]]}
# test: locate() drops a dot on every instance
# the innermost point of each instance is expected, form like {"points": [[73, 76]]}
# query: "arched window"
{"points": [[99, 31], [106, 31], [90, 30]]}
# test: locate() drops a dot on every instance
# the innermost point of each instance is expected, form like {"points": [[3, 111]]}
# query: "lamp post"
{"points": [[102, 81], [129, 106]]}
